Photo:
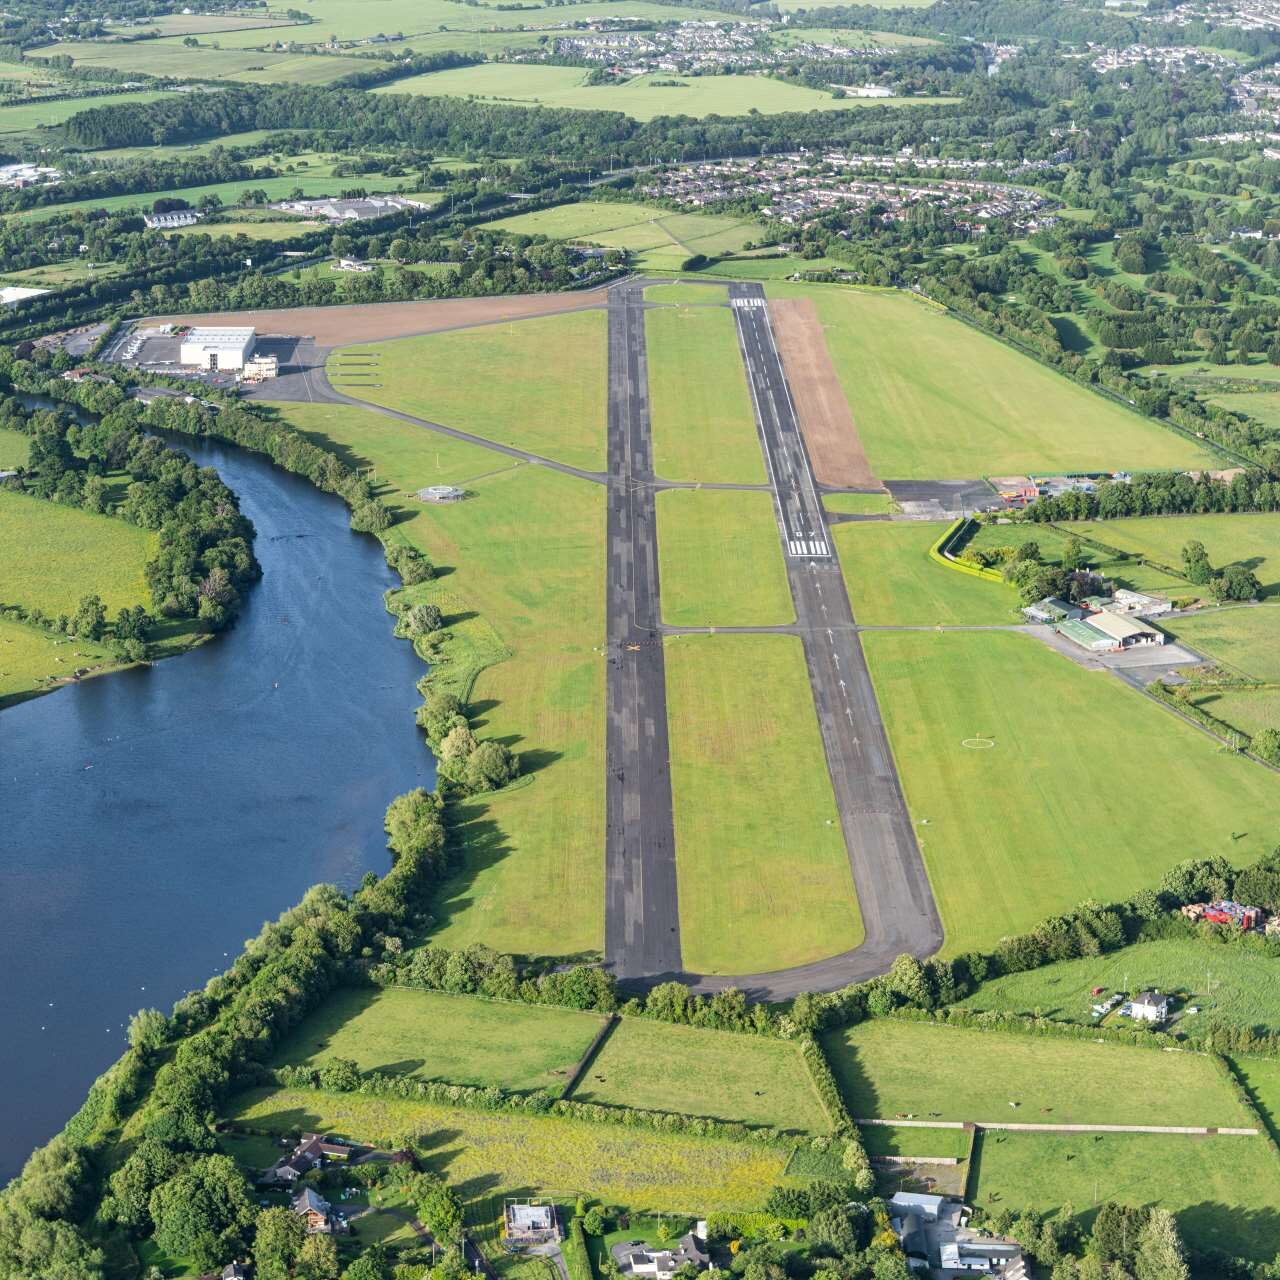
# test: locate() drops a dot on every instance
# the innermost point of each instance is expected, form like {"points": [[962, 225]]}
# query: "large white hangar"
{"points": [[216, 349]]}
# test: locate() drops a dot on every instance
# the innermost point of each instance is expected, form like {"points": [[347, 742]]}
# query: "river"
{"points": [[151, 820]]}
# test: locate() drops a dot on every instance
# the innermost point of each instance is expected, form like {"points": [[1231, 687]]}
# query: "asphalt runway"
{"points": [[642, 920], [897, 904]]}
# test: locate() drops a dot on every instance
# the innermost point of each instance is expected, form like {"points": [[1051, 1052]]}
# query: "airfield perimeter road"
{"points": [[641, 931]]}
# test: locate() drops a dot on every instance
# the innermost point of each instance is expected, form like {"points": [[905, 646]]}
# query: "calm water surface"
{"points": [[151, 820]]}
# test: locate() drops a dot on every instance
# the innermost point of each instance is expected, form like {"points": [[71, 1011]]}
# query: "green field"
{"points": [[936, 400], [51, 556], [1251, 540], [893, 582], [524, 606], [490, 1154], [540, 383], [1262, 1079], [891, 1140], [156, 58], [663, 238], [1225, 984], [31, 115], [859, 504], [1242, 639], [720, 560], [640, 98], [683, 294], [660, 1067], [1223, 1189], [888, 1070], [1089, 791], [1248, 710], [703, 423], [14, 448], [759, 847], [228, 193], [30, 657], [1265, 406], [1124, 572], [441, 1037], [286, 229]]}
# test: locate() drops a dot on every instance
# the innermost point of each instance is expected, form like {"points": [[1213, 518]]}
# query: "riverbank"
{"points": [[230, 782]]}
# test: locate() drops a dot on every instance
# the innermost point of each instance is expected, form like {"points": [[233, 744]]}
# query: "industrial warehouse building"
{"points": [[216, 349]]}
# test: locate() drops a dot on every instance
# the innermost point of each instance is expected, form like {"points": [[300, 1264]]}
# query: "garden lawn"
{"points": [[490, 1153], [432, 1036], [1227, 984], [537, 384], [14, 449], [1223, 1190], [682, 294], [1089, 791], [762, 871], [1251, 540], [893, 582], [524, 608], [641, 98], [1124, 572], [859, 504], [887, 1069], [30, 658], [661, 1067], [937, 400], [51, 556], [720, 559], [704, 426], [1244, 639]]}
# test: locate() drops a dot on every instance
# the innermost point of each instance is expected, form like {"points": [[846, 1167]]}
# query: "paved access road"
{"points": [[642, 920]]}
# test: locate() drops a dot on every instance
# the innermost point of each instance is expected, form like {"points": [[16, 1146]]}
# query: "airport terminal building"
{"points": [[216, 349]]}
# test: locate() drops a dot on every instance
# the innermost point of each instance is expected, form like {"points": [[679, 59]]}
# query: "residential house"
{"points": [[317, 1213], [1051, 609], [1149, 1006], [662, 1264], [935, 1237]]}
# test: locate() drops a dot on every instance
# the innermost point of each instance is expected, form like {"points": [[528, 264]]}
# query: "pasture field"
{"points": [[1248, 710], [51, 556], [32, 115], [541, 383], [1131, 573], [1224, 983], [1265, 406], [664, 239], [432, 1036], [704, 427], [1223, 1190], [859, 504], [758, 838], [936, 400], [356, 19], [285, 229], [14, 449], [642, 98], [887, 1069], [1072, 750], [680, 294], [523, 598], [58, 275], [201, 24], [885, 1140], [849, 39], [720, 561], [1262, 1079], [154, 58], [892, 581], [661, 1067], [29, 656], [1251, 540], [498, 1154], [1242, 639]]}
